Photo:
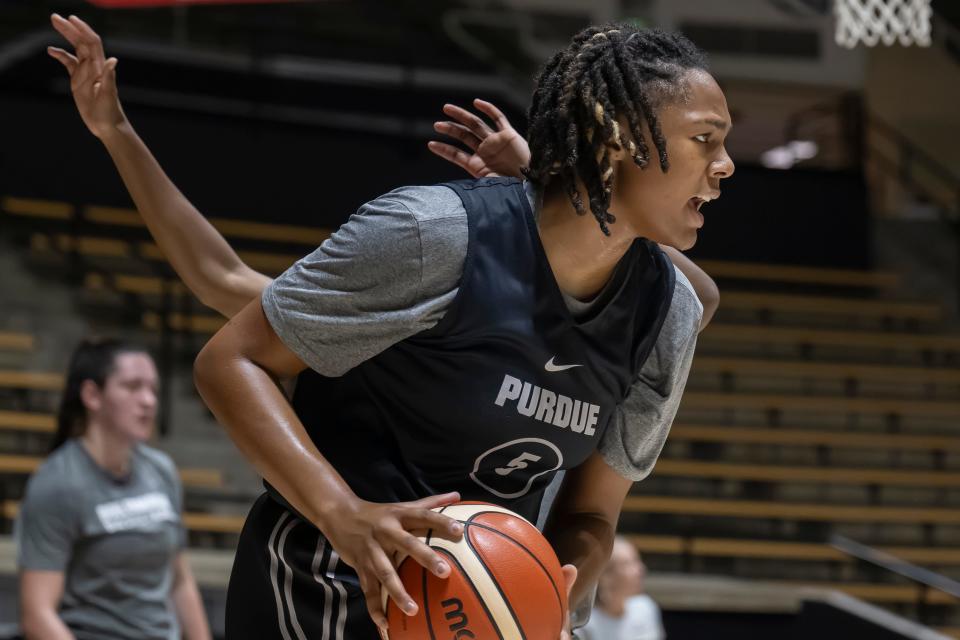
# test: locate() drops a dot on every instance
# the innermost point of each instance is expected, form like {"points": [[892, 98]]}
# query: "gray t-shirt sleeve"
{"points": [[47, 526], [635, 437], [366, 288]]}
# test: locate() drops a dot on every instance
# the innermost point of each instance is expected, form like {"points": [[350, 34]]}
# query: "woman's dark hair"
{"points": [[93, 359], [606, 73]]}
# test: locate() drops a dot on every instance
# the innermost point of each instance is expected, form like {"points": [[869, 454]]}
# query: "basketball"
{"points": [[505, 582]]}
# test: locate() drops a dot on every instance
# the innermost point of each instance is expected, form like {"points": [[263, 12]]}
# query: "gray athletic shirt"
{"points": [[114, 539], [392, 270]]}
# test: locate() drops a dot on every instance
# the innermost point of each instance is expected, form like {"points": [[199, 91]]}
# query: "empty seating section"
{"points": [[819, 402]]}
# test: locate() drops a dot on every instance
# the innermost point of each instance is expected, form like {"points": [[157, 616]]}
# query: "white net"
{"points": [[886, 21]]}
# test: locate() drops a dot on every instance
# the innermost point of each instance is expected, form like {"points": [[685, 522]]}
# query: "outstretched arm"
{"points": [[198, 253]]}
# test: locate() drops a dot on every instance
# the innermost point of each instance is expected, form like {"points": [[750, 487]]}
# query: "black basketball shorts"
{"points": [[288, 583]]}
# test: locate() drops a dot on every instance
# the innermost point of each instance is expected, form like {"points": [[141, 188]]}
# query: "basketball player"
{"points": [[405, 406]]}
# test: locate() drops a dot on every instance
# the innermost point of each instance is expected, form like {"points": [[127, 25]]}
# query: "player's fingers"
{"points": [[493, 113], [459, 132], [65, 28], [425, 519], [471, 121], [382, 569], [110, 74], [452, 154], [371, 594], [86, 71], [66, 59], [569, 576], [436, 501], [89, 36], [421, 553]]}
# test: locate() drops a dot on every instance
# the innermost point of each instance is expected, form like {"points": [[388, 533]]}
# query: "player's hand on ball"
{"points": [[93, 79], [499, 151], [369, 535], [570, 576]]}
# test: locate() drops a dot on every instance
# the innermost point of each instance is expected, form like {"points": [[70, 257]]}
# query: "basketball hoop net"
{"points": [[886, 21]]}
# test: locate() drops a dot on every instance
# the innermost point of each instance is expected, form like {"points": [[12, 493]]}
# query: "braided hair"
{"points": [[606, 72]]}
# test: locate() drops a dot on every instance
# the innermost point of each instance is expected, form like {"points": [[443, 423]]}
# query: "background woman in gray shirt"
{"points": [[100, 539]]}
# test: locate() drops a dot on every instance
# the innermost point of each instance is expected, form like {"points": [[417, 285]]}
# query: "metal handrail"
{"points": [[924, 578]]}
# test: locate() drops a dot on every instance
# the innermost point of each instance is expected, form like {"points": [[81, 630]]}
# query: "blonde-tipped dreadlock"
{"points": [[606, 73]]}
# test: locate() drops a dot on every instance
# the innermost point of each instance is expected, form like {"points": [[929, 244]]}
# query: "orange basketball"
{"points": [[505, 582]]}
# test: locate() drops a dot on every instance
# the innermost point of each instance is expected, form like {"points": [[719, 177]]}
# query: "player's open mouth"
{"points": [[698, 201]]}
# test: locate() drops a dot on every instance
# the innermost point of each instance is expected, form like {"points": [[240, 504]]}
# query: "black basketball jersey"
{"points": [[507, 388]]}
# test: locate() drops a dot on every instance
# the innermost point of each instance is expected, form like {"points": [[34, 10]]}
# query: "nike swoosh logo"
{"points": [[561, 367]]}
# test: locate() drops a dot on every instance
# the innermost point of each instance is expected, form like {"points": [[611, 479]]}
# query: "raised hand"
{"points": [[369, 535], [496, 152], [93, 79]]}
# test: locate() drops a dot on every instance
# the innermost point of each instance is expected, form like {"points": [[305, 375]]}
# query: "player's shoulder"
{"points": [[426, 203], [57, 477], [685, 300]]}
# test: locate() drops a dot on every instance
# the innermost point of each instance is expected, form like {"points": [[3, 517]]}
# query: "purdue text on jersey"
{"points": [[550, 407]]}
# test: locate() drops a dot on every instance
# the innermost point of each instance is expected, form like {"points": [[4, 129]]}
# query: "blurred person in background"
{"points": [[622, 609], [100, 543]]}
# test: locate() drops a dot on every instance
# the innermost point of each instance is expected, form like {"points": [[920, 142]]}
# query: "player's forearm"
{"points": [[585, 541], [44, 625], [250, 405], [198, 253], [189, 606]]}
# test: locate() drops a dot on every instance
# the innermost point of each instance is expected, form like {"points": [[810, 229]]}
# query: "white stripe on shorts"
{"points": [[327, 591], [331, 569], [288, 581], [273, 575], [326, 579]]}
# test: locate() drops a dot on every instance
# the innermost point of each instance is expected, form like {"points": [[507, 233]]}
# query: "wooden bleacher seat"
{"points": [[809, 437], [719, 333], [805, 474], [37, 208], [84, 245], [835, 404], [194, 478], [33, 380], [259, 260], [193, 323], [99, 247], [881, 593], [789, 510], [796, 274], [16, 341], [116, 216], [231, 228], [27, 421], [823, 370], [781, 550], [201, 522], [826, 305]]}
